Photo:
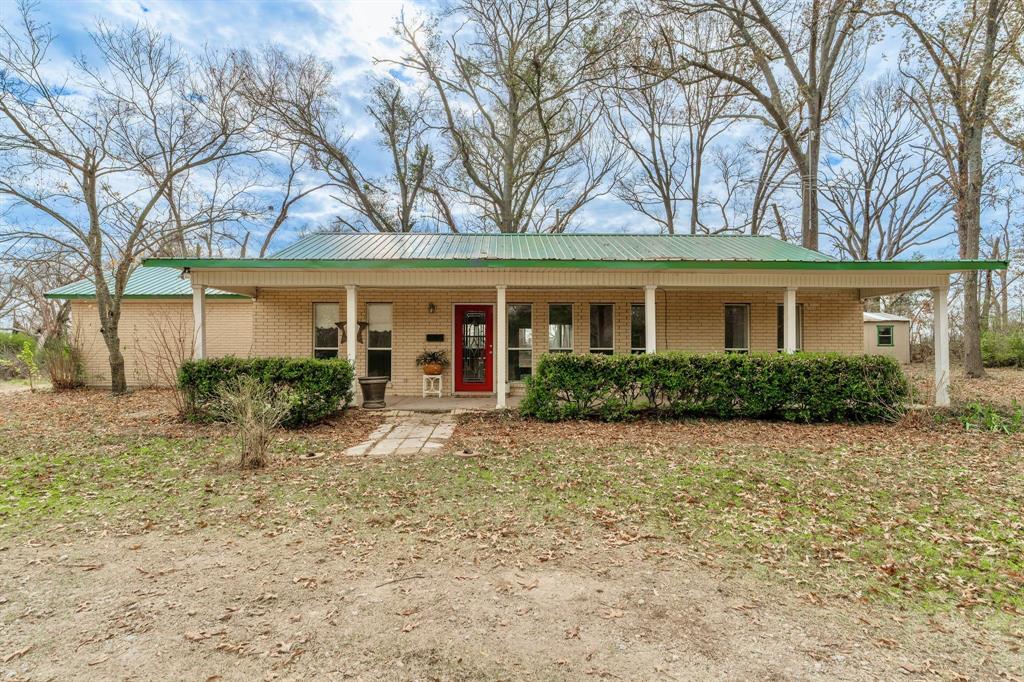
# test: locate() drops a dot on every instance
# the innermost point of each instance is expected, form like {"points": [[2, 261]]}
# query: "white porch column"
{"points": [[940, 330], [789, 321], [501, 346], [198, 321], [650, 320], [351, 331]]}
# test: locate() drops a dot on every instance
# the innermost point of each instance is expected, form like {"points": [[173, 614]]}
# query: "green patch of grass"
{"points": [[929, 527]]}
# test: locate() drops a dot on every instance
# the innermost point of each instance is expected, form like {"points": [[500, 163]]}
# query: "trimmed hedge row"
{"points": [[316, 388], [805, 387]]}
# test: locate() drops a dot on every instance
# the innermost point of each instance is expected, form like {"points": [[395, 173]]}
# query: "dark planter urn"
{"points": [[373, 391]]}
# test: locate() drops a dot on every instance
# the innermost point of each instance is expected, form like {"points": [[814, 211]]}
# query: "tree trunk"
{"points": [[809, 212], [118, 383], [969, 229]]}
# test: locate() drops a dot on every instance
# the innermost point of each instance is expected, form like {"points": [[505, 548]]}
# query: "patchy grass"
{"points": [[922, 515]]}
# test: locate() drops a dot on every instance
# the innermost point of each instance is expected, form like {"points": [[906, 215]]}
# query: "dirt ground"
{"points": [[310, 603], [262, 588]]}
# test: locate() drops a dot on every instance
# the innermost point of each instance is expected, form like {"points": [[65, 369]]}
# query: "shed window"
{"points": [[560, 328], [378, 340], [737, 328], [325, 330], [780, 317], [637, 329], [520, 341], [885, 335], [602, 328]]}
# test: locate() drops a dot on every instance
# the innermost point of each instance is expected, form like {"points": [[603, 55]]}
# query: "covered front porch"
{"points": [[495, 333]]}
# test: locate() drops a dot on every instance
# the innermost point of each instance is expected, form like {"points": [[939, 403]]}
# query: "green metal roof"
{"points": [[145, 282], [579, 251], [564, 247]]}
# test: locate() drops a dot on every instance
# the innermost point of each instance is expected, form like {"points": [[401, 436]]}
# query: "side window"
{"points": [[560, 328], [378, 340], [602, 328], [737, 328], [325, 330], [637, 329], [520, 341], [885, 335]]}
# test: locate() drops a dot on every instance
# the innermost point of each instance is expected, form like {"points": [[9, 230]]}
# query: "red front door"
{"points": [[474, 359]]}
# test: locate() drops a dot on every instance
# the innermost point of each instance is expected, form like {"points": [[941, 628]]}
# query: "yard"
{"points": [[130, 545]]}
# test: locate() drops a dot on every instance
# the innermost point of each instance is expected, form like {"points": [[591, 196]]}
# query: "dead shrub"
{"points": [[255, 409]]}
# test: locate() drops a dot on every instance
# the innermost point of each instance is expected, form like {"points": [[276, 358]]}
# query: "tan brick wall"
{"points": [[157, 335], [687, 320]]}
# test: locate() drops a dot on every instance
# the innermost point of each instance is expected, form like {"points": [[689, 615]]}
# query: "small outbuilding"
{"points": [[886, 334]]}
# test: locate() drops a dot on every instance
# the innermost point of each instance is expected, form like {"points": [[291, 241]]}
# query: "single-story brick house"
{"points": [[496, 303], [887, 334]]}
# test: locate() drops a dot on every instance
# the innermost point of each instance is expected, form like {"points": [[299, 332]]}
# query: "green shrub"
{"points": [[13, 343], [805, 387], [63, 363], [1003, 349], [315, 388], [977, 416]]}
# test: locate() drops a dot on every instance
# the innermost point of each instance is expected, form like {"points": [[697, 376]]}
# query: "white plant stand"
{"points": [[431, 385]]}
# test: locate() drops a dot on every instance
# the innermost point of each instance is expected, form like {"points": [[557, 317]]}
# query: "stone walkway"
{"points": [[407, 435]]}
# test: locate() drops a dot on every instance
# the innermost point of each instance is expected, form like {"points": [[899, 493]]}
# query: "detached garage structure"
{"points": [[887, 334], [496, 303]]}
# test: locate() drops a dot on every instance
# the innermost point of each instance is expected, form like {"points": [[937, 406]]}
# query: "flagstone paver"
{"points": [[407, 434]]}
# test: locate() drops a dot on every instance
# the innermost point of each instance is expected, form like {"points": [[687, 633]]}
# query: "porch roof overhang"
{"points": [[932, 266]]}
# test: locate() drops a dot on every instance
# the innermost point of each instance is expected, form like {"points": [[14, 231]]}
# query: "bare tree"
{"points": [[668, 124], [295, 95], [516, 88], [1003, 240], [94, 163], [804, 54], [773, 173], [645, 117], [884, 191], [961, 52]]}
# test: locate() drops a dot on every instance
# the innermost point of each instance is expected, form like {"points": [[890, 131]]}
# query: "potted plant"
{"points": [[433, 362]]}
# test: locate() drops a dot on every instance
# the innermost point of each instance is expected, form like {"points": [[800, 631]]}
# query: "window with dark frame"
{"points": [[637, 329], [378, 339], [325, 330], [560, 328], [885, 335], [602, 328], [737, 328], [520, 341], [780, 316]]}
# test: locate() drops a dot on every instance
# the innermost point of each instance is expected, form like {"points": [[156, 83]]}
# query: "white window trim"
{"points": [[337, 307], [639, 349], [572, 327], [510, 347], [725, 321], [391, 349], [590, 348]]}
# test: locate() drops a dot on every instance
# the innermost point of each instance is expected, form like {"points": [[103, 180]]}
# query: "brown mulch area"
{"points": [[1000, 386], [149, 412]]}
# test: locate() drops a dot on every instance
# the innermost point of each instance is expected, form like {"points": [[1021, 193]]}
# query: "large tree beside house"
{"points": [[99, 160], [965, 71], [515, 91], [804, 56]]}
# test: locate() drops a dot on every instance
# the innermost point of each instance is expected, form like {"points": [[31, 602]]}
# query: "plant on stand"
{"points": [[433, 362]]}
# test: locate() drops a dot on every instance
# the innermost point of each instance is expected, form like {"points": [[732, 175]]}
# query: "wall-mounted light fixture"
{"points": [[431, 308]]}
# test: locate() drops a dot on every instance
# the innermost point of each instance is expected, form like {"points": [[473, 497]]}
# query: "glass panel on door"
{"points": [[474, 347]]}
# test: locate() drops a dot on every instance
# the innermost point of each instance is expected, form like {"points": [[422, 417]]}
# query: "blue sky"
{"points": [[348, 34]]}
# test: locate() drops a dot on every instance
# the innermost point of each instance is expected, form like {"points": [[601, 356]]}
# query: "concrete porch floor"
{"points": [[409, 403]]}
